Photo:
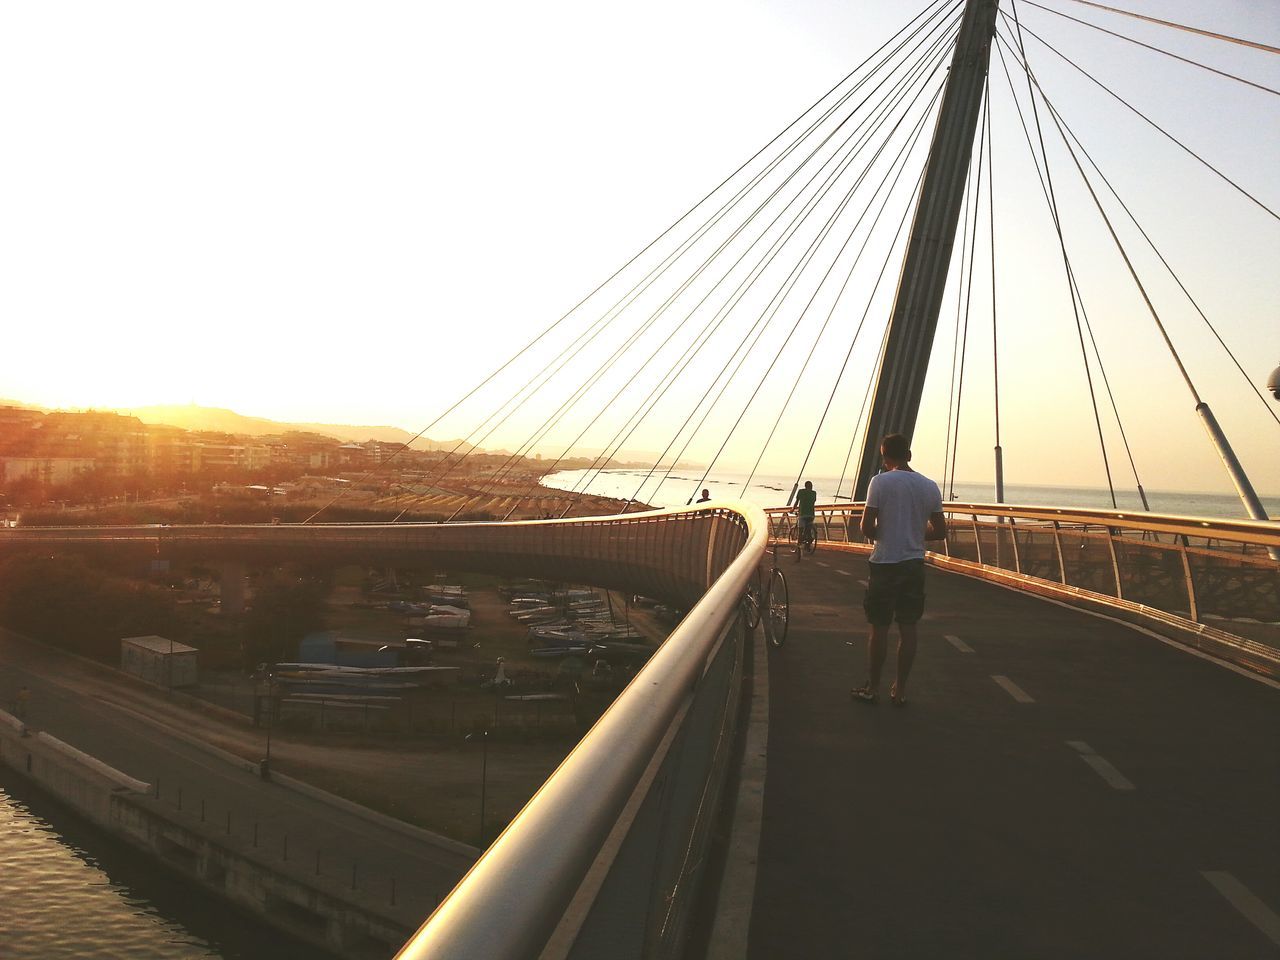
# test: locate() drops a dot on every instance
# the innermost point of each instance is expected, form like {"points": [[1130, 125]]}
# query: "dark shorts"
{"points": [[895, 591]]}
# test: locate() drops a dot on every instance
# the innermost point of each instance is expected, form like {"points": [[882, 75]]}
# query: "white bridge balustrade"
{"points": [[1211, 581]]}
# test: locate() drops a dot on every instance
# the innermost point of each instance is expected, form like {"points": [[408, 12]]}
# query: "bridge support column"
{"points": [[900, 379], [233, 581]]}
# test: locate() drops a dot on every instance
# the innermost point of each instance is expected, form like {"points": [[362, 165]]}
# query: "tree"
{"points": [[285, 609], [67, 603]]}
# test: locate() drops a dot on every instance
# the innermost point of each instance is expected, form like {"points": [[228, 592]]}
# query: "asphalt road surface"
{"points": [[297, 834], [1057, 786]]}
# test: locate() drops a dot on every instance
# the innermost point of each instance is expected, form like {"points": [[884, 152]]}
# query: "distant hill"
{"points": [[194, 417]]}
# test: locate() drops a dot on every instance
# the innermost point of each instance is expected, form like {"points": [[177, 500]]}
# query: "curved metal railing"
{"points": [[610, 850], [1213, 580]]}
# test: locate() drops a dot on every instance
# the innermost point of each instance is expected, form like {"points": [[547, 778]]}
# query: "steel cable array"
{"points": [[771, 255]]}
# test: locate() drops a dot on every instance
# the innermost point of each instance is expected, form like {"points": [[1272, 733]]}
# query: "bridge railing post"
{"points": [[1115, 562], [1057, 546], [1192, 606]]}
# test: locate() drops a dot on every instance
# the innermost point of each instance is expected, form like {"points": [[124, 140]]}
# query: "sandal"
{"points": [[864, 694], [896, 700]]}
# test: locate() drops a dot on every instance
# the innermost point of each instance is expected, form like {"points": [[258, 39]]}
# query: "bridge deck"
{"points": [[1099, 819]]}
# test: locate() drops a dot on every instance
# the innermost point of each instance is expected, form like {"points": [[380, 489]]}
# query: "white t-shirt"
{"points": [[905, 500]]}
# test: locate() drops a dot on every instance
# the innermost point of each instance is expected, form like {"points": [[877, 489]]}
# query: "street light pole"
{"points": [[264, 768], [484, 779]]}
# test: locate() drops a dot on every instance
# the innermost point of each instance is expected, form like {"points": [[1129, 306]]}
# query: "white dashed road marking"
{"points": [[1011, 688], [844, 573], [956, 642], [821, 564], [1101, 767], [1242, 898]]}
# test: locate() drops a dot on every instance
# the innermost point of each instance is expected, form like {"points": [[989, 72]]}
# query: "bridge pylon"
{"points": [[900, 378]]}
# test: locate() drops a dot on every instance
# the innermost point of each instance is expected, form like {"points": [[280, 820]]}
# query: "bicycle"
{"points": [[806, 542], [770, 605]]}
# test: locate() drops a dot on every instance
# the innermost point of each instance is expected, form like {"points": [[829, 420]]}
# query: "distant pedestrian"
{"points": [[806, 501], [903, 510], [706, 495]]}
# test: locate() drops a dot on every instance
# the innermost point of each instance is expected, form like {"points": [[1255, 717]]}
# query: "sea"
{"points": [[685, 485], [69, 891]]}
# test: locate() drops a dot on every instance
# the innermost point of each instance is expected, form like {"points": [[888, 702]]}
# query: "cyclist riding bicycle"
{"points": [[806, 499]]}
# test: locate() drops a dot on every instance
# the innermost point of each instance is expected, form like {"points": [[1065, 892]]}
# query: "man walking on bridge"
{"points": [[806, 501], [903, 510]]}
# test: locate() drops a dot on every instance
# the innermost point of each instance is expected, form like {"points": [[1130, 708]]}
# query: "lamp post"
{"points": [[264, 768], [484, 775]]}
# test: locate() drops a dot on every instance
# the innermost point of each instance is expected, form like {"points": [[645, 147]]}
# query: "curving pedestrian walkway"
{"points": [[1059, 786]]}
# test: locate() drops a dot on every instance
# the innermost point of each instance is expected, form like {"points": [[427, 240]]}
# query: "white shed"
{"points": [[158, 660]]}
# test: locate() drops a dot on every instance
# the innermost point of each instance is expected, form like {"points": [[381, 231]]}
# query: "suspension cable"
{"points": [[991, 222], [1062, 243], [1182, 26], [633, 422], [1167, 53], [900, 164], [759, 385], [959, 344], [906, 215], [966, 277], [740, 353], [1243, 192], [776, 302], [1075, 285], [936, 7], [710, 258], [1168, 267], [866, 399], [574, 349], [1164, 333], [795, 224]]}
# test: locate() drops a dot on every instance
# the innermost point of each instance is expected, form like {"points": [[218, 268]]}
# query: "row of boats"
{"points": [[573, 622]]}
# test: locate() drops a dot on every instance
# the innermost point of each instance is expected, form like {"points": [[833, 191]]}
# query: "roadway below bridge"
{"points": [[1058, 786], [389, 868]]}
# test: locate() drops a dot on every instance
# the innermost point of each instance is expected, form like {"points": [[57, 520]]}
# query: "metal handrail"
{"points": [[513, 898], [1204, 569], [1260, 532]]}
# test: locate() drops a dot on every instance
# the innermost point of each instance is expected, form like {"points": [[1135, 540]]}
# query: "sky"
{"points": [[331, 212]]}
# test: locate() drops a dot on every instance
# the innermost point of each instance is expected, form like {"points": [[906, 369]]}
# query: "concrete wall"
{"points": [[318, 912]]}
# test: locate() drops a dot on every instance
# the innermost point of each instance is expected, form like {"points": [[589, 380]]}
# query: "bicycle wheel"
{"points": [[751, 604], [778, 609], [811, 541]]}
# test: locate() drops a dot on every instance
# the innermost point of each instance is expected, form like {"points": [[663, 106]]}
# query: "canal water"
{"points": [[69, 891]]}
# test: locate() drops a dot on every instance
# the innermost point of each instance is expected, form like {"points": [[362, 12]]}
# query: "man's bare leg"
{"points": [[877, 648], [907, 637]]}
